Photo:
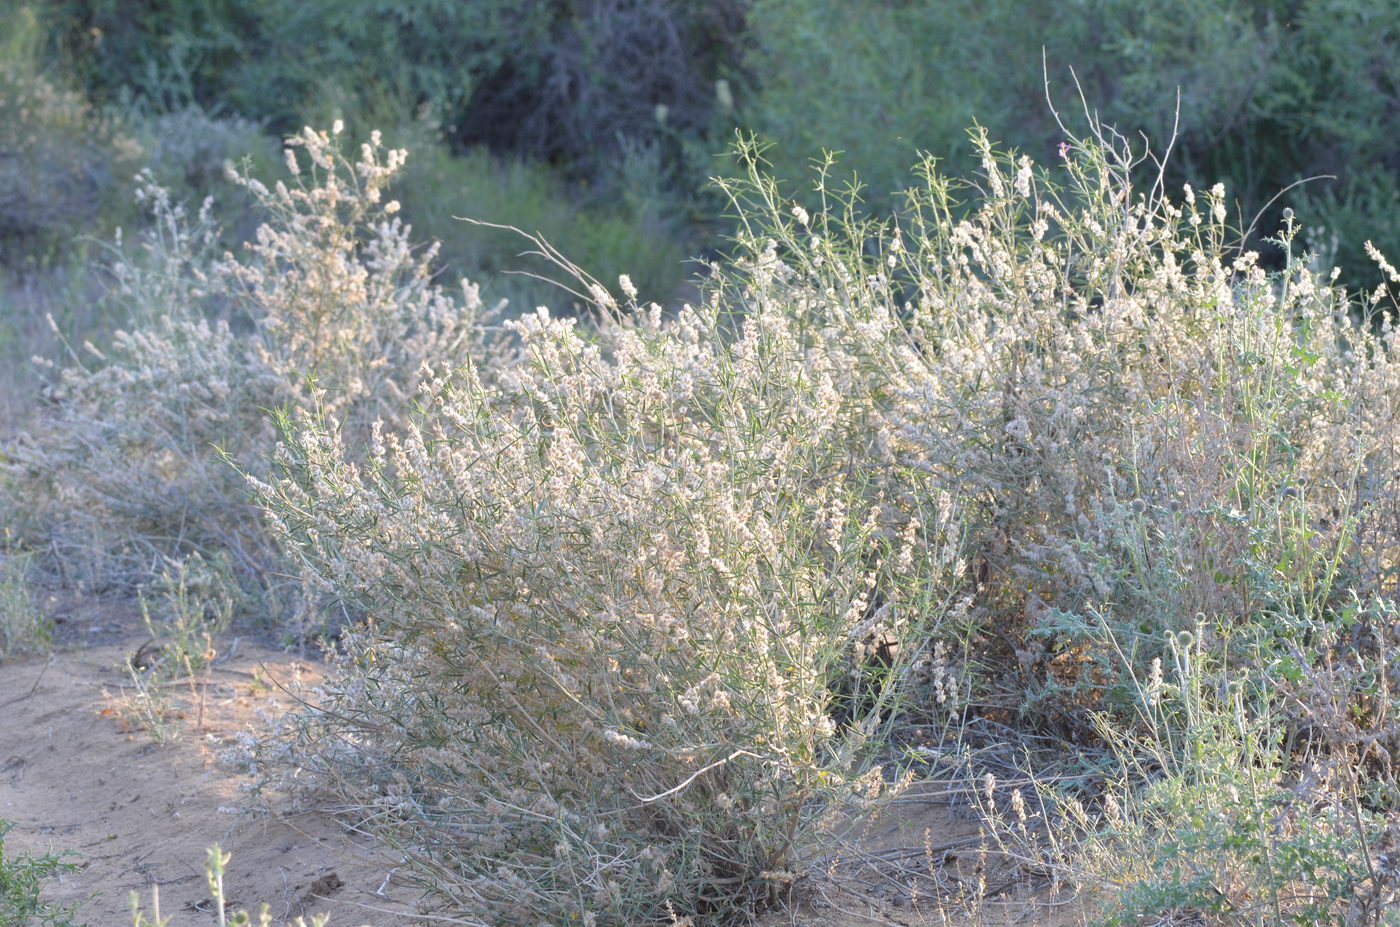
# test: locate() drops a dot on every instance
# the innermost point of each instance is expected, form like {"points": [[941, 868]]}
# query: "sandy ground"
{"points": [[75, 775], [79, 774]]}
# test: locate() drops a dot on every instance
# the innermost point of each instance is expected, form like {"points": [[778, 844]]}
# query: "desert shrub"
{"points": [[642, 589], [1214, 811], [1150, 436], [1141, 423], [338, 288], [328, 301], [66, 171], [1139, 427], [122, 465], [637, 612]]}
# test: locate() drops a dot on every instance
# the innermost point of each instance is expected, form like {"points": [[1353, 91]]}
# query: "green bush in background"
{"points": [[591, 111], [636, 233], [1271, 92], [60, 159], [559, 79]]}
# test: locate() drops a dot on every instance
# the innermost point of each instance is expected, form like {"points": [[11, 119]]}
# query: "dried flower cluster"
{"points": [[637, 613], [126, 466]]}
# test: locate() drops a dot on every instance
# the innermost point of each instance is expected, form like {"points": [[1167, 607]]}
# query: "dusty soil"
{"points": [[80, 773], [76, 774]]}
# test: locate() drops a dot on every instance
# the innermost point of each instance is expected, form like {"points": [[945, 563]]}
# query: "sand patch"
{"points": [[75, 775]]}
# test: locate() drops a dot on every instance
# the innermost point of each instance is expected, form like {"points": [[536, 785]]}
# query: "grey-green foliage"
{"points": [[1217, 812]]}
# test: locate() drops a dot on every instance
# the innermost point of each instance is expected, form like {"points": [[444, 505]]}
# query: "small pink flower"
{"points": [[1064, 150]]}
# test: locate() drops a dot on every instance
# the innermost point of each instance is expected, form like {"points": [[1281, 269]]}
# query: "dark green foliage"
{"points": [[60, 159], [634, 234], [611, 104], [1270, 93], [565, 80]]}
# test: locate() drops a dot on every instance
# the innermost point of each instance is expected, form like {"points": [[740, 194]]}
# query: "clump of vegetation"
{"points": [[541, 81], [634, 597], [330, 304], [635, 231], [22, 879], [1255, 95], [636, 616], [23, 628], [63, 160], [1219, 802], [194, 605], [1051, 436]]}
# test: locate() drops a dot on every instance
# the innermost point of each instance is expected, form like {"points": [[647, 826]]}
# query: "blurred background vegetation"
{"points": [[597, 123]]}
